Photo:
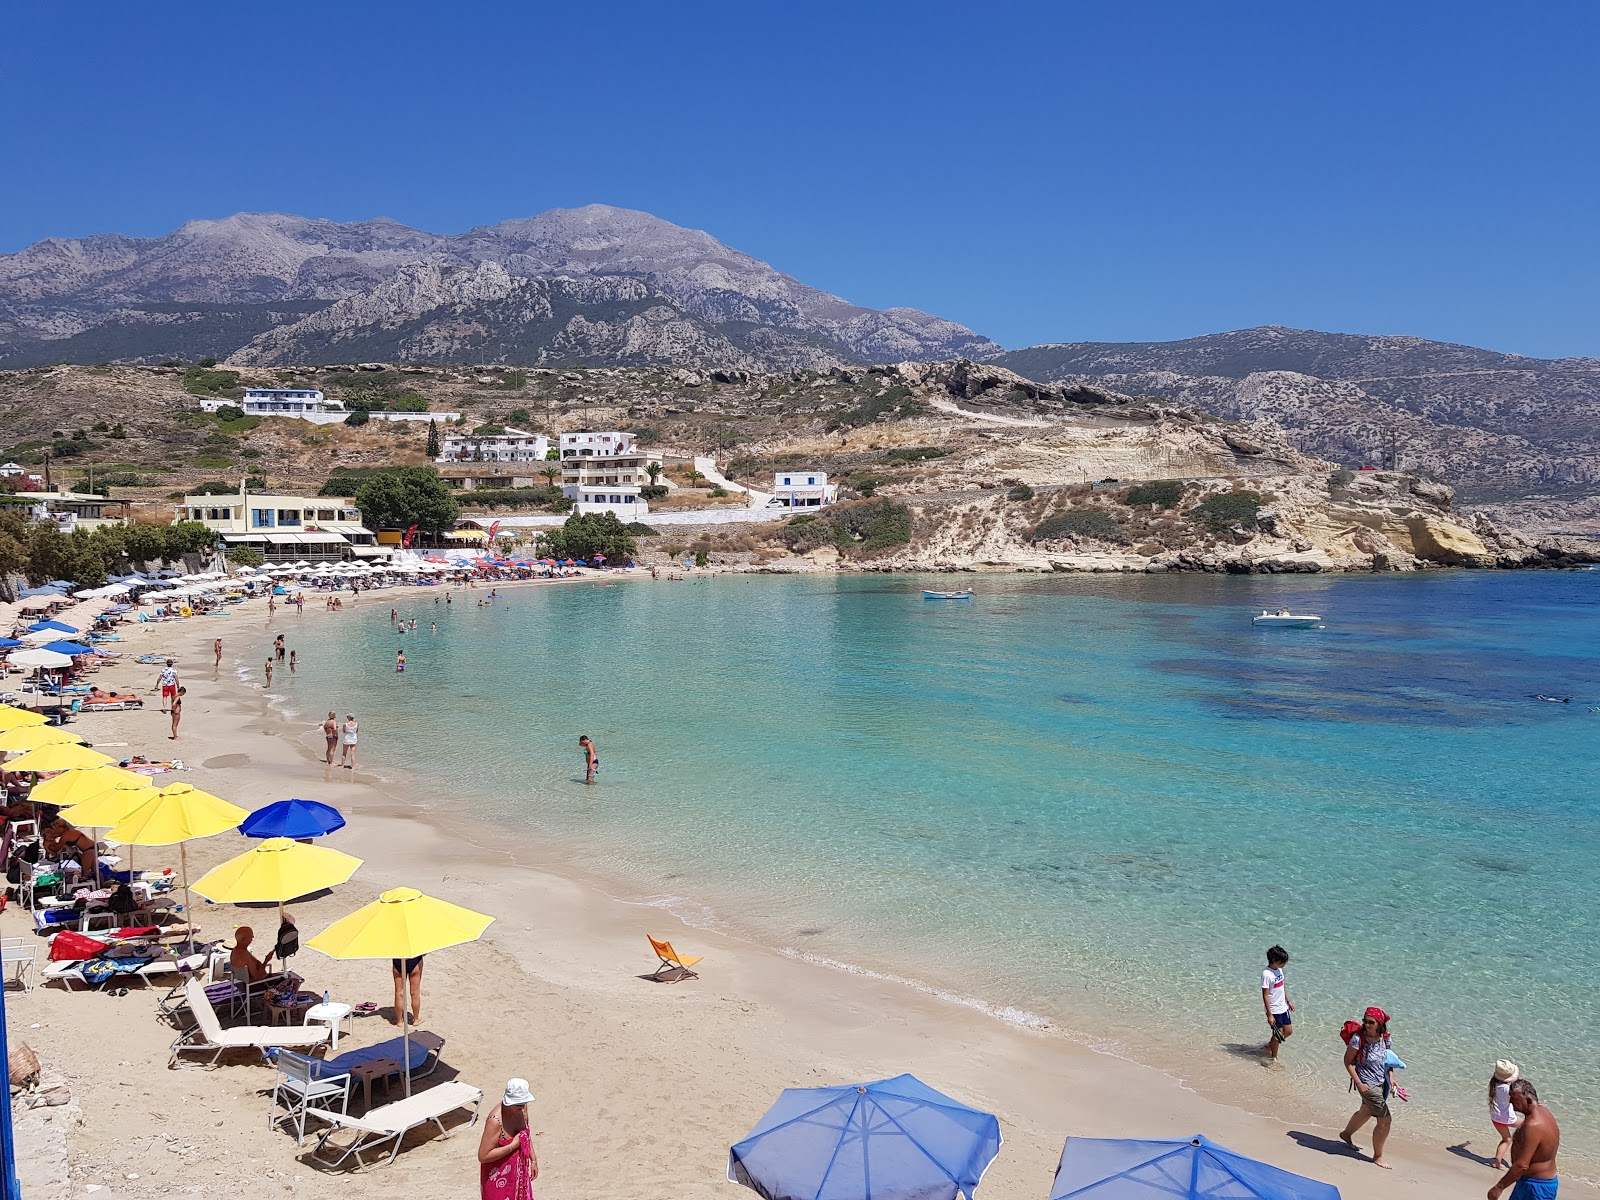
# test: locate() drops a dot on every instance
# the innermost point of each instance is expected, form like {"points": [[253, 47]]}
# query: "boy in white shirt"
{"points": [[1275, 999]]}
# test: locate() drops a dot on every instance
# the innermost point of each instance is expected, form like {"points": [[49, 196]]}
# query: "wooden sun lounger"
{"points": [[392, 1122]]}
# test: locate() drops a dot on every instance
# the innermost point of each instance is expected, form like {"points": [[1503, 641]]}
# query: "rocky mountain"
{"points": [[1497, 426], [595, 283]]}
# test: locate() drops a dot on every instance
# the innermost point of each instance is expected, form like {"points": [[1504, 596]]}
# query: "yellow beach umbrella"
{"points": [[178, 813], [109, 805], [401, 923], [12, 717], [278, 869], [60, 757], [31, 737], [73, 787]]}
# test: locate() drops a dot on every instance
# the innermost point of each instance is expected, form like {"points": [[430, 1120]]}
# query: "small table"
{"points": [[289, 1008], [377, 1068], [330, 1014]]}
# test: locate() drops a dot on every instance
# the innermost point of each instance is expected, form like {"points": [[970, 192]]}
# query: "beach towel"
{"points": [[512, 1177], [98, 970]]}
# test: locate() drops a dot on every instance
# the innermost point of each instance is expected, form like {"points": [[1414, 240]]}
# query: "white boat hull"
{"points": [[1268, 621]]}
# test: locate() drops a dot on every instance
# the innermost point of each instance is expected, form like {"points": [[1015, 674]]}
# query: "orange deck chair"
{"points": [[671, 960]]}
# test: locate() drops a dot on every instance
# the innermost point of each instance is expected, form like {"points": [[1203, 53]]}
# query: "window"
{"points": [[325, 514], [288, 516], [811, 479], [261, 518]]}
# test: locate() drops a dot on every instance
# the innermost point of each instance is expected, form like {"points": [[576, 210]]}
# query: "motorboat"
{"points": [[966, 595], [1284, 619]]}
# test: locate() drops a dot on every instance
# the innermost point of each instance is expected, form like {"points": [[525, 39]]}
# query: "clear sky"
{"points": [[1051, 171]]}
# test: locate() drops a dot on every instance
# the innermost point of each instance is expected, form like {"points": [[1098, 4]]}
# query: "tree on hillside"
{"points": [[653, 469], [400, 497], [588, 535], [433, 440], [551, 474]]}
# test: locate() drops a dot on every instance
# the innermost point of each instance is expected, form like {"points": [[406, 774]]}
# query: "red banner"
{"points": [[405, 542]]}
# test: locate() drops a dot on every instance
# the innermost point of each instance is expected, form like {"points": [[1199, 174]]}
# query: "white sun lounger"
{"points": [[393, 1121], [67, 970], [209, 1035]]}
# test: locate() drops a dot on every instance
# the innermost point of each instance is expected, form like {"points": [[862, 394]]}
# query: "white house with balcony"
{"points": [[285, 528], [603, 472], [507, 446], [307, 404], [802, 489]]}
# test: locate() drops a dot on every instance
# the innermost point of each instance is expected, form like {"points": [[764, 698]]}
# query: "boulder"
{"points": [[1444, 541], [1240, 444], [1439, 495]]}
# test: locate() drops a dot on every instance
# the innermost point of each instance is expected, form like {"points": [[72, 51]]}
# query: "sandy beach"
{"points": [[640, 1086]]}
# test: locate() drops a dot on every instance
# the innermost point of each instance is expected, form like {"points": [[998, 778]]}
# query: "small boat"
{"points": [[1284, 619], [966, 595]]}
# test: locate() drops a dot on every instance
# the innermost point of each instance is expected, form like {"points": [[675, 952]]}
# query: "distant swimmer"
{"points": [[399, 660], [591, 758], [1556, 699]]}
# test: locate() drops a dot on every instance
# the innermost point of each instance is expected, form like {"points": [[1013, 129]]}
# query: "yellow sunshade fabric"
{"points": [[277, 869], [62, 757], [176, 814], [31, 737], [401, 923], [12, 717], [112, 805], [73, 787]]}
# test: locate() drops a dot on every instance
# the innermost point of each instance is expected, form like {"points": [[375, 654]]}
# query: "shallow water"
{"points": [[1091, 800]]}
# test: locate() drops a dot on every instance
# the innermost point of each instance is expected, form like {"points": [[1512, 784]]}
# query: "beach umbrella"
{"points": [[894, 1139], [72, 649], [179, 813], [12, 717], [1196, 1169], [48, 659], [31, 737], [75, 786], [108, 806], [9, 643], [292, 819], [52, 627], [278, 869], [63, 756], [401, 923]]}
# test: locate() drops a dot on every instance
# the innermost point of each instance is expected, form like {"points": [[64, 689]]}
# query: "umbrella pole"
{"points": [[188, 911], [405, 1025]]}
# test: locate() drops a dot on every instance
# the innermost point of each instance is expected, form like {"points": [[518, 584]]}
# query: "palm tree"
{"points": [[653, 469], [551, 474]]}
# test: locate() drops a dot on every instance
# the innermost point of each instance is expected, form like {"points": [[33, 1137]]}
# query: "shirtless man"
{"points": [[241, 958], [330, 730], [1533, 1150]]}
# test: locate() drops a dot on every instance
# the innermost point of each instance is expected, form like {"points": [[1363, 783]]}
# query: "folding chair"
{"points": [[672, 961], [303, 1086]]}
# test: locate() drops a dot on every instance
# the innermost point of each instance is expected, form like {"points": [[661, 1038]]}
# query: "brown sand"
{"points": [[640, 1086]]}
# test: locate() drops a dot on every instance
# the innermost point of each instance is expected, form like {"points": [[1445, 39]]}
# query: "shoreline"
{"points": [[858, 1022]]}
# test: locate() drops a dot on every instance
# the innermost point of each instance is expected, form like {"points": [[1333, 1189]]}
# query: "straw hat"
{"points": [[1506, 1071]]}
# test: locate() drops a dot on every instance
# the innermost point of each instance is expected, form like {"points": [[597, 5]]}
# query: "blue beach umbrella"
{"points": [[895, 1139], [292, 819], [73, 648], [9, 643], [1198, 1169], [52, 626]]}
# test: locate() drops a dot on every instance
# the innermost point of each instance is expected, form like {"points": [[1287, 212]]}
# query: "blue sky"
{"points": [[1059, 171]]}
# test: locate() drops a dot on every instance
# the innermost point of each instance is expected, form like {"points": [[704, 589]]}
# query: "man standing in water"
{"points": [[591, 758], [330, 730], [1533, 1150]]}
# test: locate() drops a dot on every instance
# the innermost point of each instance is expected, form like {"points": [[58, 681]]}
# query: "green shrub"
{"points": [[719, 491], [358, 416], [213, 487], [653, 491], [200, 380], [489, 430], [912, 454], [639, 529], [701, 558], [514, 381], [522, 497], [860, 528], [520, 415], [245, 556], [1160, 493], [229, 412], [1020, 492], [586, 536], [1079, 524], [896, 401], [1225, 510], [409, 402]]}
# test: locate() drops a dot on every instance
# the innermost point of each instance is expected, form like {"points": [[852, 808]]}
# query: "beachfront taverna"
{"points": [[285, 528]]}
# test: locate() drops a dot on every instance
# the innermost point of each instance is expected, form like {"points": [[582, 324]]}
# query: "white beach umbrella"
{"points": [[41, 658], [86, 594]]}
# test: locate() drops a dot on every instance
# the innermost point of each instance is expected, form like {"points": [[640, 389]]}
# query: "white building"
{"points": [[603, 472], [588, 445], [513, 445], [307, 404], [285, 528], [802, 489]]}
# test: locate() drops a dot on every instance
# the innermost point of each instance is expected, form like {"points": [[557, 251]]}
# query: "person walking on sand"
{"points": [[1366, 1059], [330, 730], [1501, 1115], [348, 736], [268, 683], [168, 680], [1275, 999], [217, 647], [407, 969], [177, 713], [507, 1164], [591, 758], [1532, 1174]]}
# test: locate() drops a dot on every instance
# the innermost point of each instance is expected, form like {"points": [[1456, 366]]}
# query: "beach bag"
{"points": [[1347, 1031], [23, 1066], [70, 946]]}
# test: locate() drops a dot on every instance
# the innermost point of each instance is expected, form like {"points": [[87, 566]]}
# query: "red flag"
{"points": [[493, 529], [405, 542]]}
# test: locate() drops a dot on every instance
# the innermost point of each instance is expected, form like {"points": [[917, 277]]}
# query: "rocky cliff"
{"points": [[271, 287]]}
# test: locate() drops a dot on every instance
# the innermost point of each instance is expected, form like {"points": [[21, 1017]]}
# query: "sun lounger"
{"points": [[672, 961], [208, 1035], [71, 970], [391, 1123]]}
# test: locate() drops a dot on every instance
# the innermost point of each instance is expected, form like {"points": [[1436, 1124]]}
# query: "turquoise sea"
{"points": [[1088, 800]]}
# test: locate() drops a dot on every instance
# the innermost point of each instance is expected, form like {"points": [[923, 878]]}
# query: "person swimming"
{"points": [[1556, 699]]}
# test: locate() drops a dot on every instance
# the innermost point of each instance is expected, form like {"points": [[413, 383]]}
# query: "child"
{"points": [[1501, 1114], [1275, 999]]}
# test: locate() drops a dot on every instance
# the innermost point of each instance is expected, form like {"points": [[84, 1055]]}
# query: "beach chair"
{"points": [[303, 1086], [391, 1122], [24, 952], [208, 1036], [671, 961]]}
